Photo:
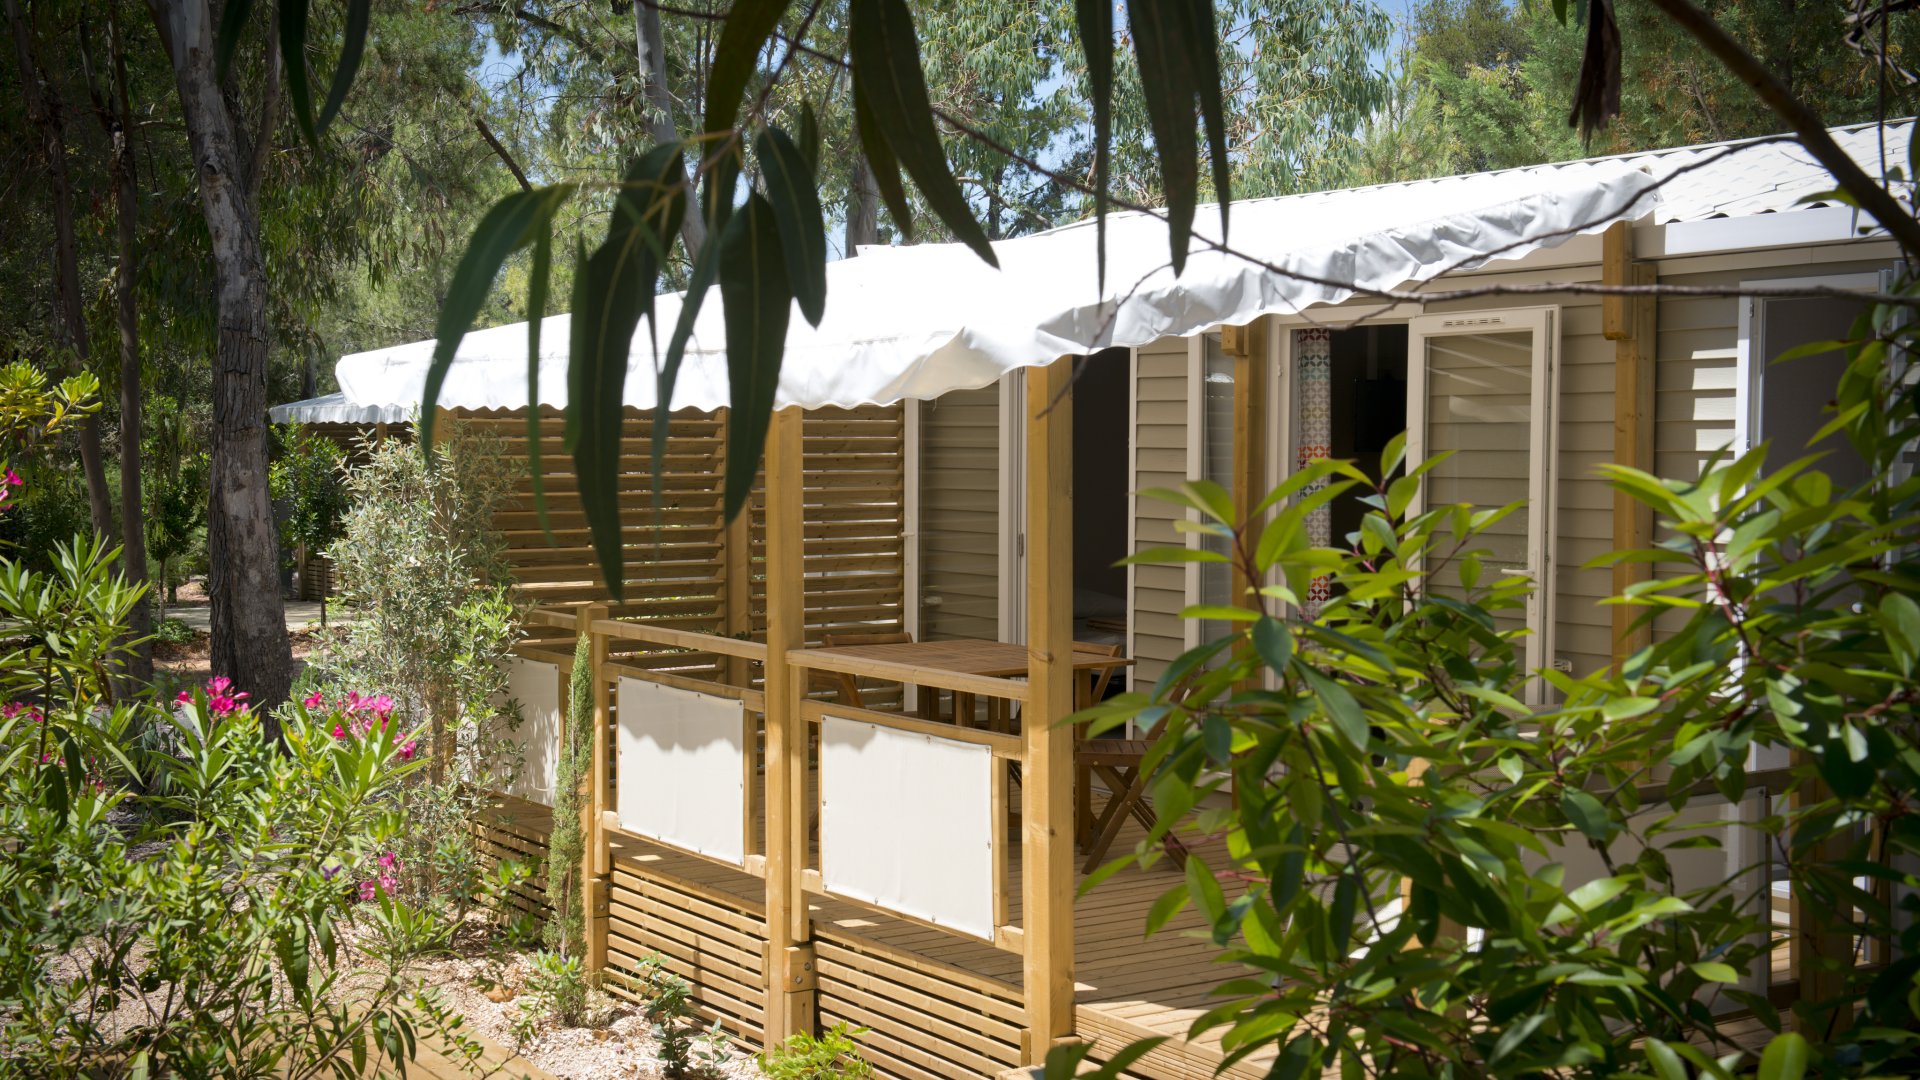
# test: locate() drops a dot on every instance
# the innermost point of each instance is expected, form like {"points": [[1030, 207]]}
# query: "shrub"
{"points": [[566, 845], [670, 1010], [559, 985], [173, 632], [1401, 847], [309, 481], [831, 1056], [432, 625], [238, 917]]}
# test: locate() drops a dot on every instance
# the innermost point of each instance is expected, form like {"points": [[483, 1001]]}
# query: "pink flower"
{"points": [[184, 698], [339, 732], [368, 890], [382, 706], [406, 751], [389, 862], [313, 700], [220, 701], [12, 479]]}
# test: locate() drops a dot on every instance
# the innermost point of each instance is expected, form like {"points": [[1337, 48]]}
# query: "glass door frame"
{"points": [[1543, 445]]}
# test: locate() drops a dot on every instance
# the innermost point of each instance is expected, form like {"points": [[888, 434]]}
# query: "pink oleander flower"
{"points": [[389, 862], [313, 700], [339, 732], [368, 890], [184, 697], [382, 707], [406, 751], [12, 479], [221, 700]]}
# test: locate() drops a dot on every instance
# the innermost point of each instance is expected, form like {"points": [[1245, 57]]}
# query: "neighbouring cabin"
{"points": [[828, 786]]}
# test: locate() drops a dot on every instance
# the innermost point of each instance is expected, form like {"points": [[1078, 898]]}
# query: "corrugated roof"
{"points": [[1737, 178]]}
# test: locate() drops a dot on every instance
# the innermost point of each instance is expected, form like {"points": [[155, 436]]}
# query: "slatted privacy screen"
{"points": [[906, 823], [855, 526], [676, 553], [682, 764], [533, 686]]}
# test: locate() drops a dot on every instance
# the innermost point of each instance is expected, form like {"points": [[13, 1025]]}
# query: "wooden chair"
{"points": [[1119, 763], [844, 685]]}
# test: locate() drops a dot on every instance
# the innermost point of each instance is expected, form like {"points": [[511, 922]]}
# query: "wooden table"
{"points": [[970, 656]]}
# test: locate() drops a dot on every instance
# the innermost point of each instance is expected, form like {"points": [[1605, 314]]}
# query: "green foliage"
{"points": [[830, 1056], [566, 846], [201, 926], [173, 632], [1424, 876], [431, 629], [558, 986], [421, 573], [38, 505], [670, 1010], [308, 480], [1494, 81]]}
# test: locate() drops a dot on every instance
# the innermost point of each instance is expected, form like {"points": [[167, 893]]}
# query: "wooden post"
{"points": [[1046, 788], [1631, 323], [1822, 938], [736, 589], [596, 866], [1250, 372], [789, 966]]}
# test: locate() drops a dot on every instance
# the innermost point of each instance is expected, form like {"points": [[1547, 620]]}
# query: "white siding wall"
{"points": [[1159, 592], [960, 515]]}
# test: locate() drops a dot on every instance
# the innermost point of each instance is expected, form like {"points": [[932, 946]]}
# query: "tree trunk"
{"points": [[116, 116], [44, 112], [650, 51], [250, 642]]}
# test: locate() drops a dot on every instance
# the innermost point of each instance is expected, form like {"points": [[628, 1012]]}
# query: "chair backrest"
{"points": [[1105, 677]]}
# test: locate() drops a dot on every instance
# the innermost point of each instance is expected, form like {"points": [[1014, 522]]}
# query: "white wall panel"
{"points": [[906, 823], [536, 686], [682, 769]]}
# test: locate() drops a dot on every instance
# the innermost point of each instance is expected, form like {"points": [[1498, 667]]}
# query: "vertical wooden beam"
{"points": [[1822, 938], [1250, 373], [1046, 788], [790, 996], [736, 589], [1631, 323], [596, 862]]}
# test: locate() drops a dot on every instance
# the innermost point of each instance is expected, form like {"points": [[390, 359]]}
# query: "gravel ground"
{"points": [[620, 1043]]}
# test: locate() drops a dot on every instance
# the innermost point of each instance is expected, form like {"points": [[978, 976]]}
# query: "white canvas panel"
{"points": [[683, 769], [906, 823], [536, 686]]}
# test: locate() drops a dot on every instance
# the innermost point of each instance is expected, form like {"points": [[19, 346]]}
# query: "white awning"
{"points": [[336, 409], [919, 321]]}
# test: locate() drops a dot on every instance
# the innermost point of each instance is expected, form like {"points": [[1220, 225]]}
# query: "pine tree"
{"points": [[566, 928]]}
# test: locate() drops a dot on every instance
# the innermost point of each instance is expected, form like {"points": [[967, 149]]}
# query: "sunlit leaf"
{"points": [[612, 291], [882, 164], [507, 226], [759, 301], [795, 199], [1160, 29], [886, 69], [743, 36]]}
